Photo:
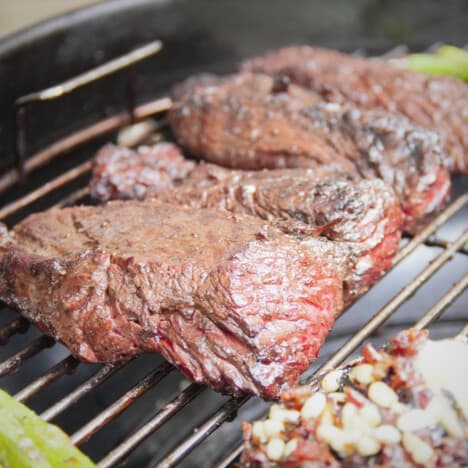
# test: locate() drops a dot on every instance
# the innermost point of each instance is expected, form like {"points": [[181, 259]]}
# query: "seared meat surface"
{"points": [[363, 216], [119, 174], [433, 102], [247, 121], [229, 300]]}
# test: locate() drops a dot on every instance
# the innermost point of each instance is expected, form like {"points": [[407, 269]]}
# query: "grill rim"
{"points": [[228, 408]]}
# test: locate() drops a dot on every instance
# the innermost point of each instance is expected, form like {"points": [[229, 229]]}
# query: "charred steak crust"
{"points": [[433, 102], [121, 175], [230, 301], [363, 216], [244, 122]]}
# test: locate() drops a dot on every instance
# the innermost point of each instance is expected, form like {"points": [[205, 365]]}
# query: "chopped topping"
{"points": [[290, 447], [382, 394], [388, 434], [414, 420], [367, 446], [327, 432], [327, 416], [385, 415], [258, 431], [339, 440], [420, 451], [273, 427], [283, 414], [371, 414], [370, 354], [441, 409], [337, 397], [348, 414], [314, 406], [355, 397], [331, 381], [362, 374], [443, 366], [275, 449]]}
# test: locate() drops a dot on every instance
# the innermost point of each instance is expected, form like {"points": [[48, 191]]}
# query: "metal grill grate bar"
{"points": [[166, 412], [438, 308], [441, 219], [73, 198], [13, 363], [95, 74], [35, 195], [53, 92], [229, 459], [19, 325], [80, 392], [122, 403], [463, 335], [66, 366], [200, 433], [434, 241]]}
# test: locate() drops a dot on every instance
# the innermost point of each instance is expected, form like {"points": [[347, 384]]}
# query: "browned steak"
{"points": [[247, 122], [228, 299], [119, 174], [362, 215], [433, 102]]}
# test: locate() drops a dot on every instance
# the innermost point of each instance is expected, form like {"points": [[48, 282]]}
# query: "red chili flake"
{"points": [[310, 451], [355, 397], [294, 398], [408, 342], [370, 354], [422, 397], [405, 374], [246, 430]]}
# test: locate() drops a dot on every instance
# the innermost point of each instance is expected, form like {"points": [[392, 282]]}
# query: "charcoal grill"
{"points": [[145, 411]]}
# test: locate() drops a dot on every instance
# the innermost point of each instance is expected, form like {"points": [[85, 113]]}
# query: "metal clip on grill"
{"points": [[227, 410]]}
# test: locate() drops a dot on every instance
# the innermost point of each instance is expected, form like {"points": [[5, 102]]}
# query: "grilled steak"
{"points": [[362, 215], [404, 406], [124, 175], [433, 102], [228, 299], [249, 122]]}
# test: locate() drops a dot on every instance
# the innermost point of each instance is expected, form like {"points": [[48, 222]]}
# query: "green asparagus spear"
{"points": [[454, 53], [448, 60], [434, 65], [26, 441], [16, 448]]}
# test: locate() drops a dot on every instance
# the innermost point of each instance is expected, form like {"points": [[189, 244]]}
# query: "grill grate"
{"points": [[227, 410]]}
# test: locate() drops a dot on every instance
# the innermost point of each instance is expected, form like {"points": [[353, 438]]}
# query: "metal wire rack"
{"points": [[227, 410]]}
